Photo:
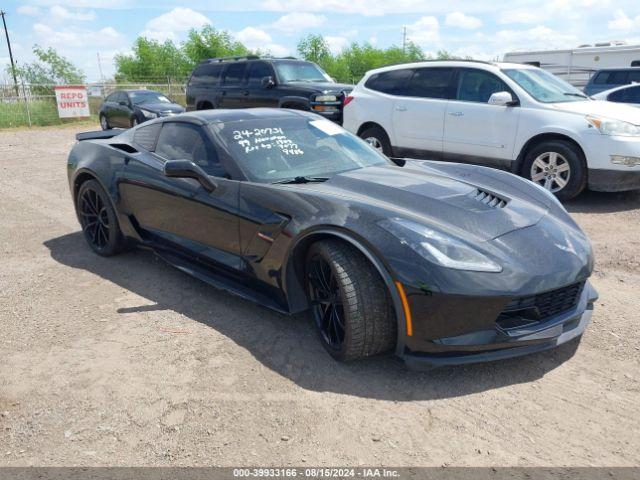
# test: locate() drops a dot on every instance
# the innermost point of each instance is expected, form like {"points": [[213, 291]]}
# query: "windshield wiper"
{"points": [[302, 179], [572, 94]]}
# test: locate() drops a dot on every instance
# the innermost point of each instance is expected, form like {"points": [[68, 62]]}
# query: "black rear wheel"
{"points": [[350, 304], [98, 219]]}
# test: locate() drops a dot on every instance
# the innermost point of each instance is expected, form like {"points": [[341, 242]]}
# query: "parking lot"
{"points": [[127, 361]]}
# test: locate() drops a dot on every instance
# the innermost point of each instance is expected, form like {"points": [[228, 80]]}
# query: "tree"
{"points": [[354, 61], [152, 61], [315, 49], [49, 68], [210, 43]]}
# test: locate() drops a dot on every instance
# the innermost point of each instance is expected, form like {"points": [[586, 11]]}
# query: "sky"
{"points": [[82, 30]]}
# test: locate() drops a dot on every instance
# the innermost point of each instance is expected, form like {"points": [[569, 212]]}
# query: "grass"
{"points": [[42, 112]]}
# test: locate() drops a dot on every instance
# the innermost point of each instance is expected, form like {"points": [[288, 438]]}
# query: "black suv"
{"points": [[244, 82]]}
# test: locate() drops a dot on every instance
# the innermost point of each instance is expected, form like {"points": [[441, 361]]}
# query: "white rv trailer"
{"points": [[576, 65]]}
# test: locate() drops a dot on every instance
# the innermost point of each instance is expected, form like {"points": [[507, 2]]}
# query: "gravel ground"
{"points": [[126, 361]]}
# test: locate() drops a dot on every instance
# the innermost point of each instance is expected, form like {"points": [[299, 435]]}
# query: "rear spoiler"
{"points": [[98, 135]]}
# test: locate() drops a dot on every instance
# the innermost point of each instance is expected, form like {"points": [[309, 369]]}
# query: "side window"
{"points": [[234, 75], [633, 95], [257, 71], [430, 83], [122, 97], [207, 74], [634, 77], [619, 78], [184, 141], [146, 136], [392, 82], [602, 78], [111, 97], [478, 86]]}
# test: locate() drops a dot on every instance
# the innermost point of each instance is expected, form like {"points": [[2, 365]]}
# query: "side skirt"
{"points": [[236, 286]]}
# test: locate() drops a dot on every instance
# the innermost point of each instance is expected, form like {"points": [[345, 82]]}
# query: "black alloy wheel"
{"points": [[350, 304], [98, 219], [326, 302]]}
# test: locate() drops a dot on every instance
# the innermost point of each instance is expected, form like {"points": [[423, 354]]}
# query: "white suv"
{"points": [[510, 116]]}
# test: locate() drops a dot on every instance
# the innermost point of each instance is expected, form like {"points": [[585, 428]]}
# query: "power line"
{"points": [[13, 66]]}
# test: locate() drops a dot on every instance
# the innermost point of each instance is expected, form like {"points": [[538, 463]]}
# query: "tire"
{"points": [[104, 123], [351, 306], [378, 139], [98, 220], [558, 166]]}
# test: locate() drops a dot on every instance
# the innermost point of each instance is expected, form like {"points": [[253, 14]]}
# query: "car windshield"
{"points": [[271, 150], [544, 86], [139, 98], [301, 72]]}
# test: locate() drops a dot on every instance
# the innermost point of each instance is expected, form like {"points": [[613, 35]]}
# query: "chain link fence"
{"points": [[35, 105]]}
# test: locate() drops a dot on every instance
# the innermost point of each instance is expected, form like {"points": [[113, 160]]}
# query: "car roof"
{"points": [[621, 69], [491, 66], [605, 93], [137, 90], [232, 115]]}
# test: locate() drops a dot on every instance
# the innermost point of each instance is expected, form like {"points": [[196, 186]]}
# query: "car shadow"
{"points": [[287, 344], [604, 202]]}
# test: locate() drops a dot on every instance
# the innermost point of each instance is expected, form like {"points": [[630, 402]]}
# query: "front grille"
{"points": [[537, 308], [488, 198]]}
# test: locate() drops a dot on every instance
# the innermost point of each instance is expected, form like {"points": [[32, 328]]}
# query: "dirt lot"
{"points": [[126, 361]]}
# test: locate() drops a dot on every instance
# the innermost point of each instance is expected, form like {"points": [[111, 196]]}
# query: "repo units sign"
{"points": [[72, 101]]}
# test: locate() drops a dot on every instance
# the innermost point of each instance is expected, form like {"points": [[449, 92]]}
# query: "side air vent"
{"points": [[489, 199], [124, 147]]}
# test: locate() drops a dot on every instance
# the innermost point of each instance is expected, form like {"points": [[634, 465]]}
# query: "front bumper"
{"points": [[496, 344], [614, 180]]}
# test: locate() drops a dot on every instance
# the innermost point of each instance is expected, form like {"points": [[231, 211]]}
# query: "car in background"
{"points": [[629, 94], [609, 78], [252, 81], [128, 108], [511, 116], [441, 263]]}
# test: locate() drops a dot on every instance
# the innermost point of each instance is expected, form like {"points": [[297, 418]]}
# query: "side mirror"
{"points": [[188, 169], [502, 99], [268, 82]]}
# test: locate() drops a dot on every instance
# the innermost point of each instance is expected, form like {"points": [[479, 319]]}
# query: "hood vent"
{"points": [[487, 198]]}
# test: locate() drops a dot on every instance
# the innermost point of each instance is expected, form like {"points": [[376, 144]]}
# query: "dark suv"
{"points": [[610, 78], [244, 82]]}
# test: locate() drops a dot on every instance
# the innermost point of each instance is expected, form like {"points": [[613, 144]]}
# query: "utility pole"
{"points": [[13, 66], [404, 39]]}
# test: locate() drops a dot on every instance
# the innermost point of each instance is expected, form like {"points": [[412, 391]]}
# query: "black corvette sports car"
{"points": [[444, 263]]}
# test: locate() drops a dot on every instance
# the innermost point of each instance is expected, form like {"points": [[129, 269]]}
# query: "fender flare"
{"points": [[360, 245]]}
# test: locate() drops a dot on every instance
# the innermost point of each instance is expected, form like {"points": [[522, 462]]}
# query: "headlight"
{"points": [[438, 247], [148, 114], [609, 126], [326, 98]]}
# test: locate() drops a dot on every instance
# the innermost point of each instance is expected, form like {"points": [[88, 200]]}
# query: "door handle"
{"points": [[245, 92], [456, 114], [401, 108]]}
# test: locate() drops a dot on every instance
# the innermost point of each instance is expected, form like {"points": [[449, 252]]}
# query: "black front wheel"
{"points": [[350, 303], [98, 219], [104, 123]]}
